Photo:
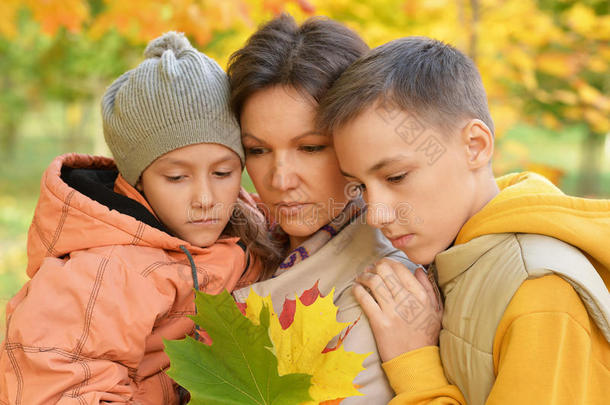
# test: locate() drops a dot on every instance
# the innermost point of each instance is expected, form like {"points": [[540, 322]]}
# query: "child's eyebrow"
{"points": [[345, 174], [385, 162], [173, 161], [225, 158]]}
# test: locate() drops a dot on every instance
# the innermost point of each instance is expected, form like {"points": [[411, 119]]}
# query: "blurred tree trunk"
{"points": [[592, 152], [8, 138]]}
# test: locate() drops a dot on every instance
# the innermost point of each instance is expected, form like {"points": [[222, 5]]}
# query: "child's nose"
{"points": [[379, 214], [203, 196]]}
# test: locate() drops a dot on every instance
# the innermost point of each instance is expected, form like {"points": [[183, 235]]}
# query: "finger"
{"points": [[377, 287], [430, 284], [389, 277], [424, 280], [407, 279], [405, 303], [367, 302]]}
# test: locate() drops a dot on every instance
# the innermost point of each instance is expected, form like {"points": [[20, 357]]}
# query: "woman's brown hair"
{"points": [[309, 58], [251, 227]]}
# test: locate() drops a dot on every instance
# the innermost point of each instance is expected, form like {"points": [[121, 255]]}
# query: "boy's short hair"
{"points": [[430, 79], [309, 57]]}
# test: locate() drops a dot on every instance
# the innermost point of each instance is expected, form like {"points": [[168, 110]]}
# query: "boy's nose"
{"points": [[379, 214]]}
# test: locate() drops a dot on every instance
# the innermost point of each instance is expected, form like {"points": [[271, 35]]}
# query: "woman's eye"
{"points": [[256, 151], [396, 179], [312, 148]]}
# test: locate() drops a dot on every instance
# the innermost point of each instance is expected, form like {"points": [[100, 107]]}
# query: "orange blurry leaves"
{"points": [[54, 14], [8, 11], [277, 6]]}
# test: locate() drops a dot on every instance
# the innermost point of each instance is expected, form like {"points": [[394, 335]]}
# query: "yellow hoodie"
{"points": [[546, 349]]}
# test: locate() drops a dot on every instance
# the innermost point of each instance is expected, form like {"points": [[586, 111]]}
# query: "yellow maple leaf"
{"points": [[302, 346]]}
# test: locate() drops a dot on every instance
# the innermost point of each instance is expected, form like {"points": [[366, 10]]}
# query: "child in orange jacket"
{"points": [[115, 251], [524, 269]]}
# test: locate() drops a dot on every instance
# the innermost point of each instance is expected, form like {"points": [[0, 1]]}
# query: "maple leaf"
{"points": [[301, 335], [239, 366]]}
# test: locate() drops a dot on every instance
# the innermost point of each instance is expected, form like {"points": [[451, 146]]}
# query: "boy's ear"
{"points": [[479, 142]]}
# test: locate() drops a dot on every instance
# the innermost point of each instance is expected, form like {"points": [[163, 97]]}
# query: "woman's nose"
{"points": [[283, 175]]}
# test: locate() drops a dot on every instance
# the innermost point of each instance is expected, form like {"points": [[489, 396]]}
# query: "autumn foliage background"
{"points": [[545, 65]]}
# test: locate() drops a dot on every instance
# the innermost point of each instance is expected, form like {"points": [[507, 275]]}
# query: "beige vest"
{"points": [[336, 265], [479, 278]]}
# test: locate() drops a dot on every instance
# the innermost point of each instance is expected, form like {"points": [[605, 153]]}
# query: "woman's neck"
{"points": [[296, 241]]}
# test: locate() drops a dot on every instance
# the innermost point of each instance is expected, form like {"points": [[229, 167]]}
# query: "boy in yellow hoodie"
{"points": [[524, 269]]}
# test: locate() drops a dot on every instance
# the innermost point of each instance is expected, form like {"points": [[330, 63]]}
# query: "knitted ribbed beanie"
{"points": [[177, 97]]}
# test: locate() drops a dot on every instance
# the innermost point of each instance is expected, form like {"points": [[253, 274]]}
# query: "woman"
{"points": [[277, 79]]}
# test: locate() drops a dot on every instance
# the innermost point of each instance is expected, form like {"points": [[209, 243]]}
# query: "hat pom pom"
{"points": [[170, 41]]}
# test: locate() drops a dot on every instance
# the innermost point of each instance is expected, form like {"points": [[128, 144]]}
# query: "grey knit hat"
{"points": [[177, 97]]}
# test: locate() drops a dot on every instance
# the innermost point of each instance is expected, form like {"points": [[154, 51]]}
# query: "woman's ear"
{"points": [[479, 142]]}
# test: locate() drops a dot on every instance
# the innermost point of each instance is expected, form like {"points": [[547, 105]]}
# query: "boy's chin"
{"points": [[419, 257]]}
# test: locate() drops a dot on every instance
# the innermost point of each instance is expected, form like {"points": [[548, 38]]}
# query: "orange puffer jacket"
{"points": [[108, 284]]}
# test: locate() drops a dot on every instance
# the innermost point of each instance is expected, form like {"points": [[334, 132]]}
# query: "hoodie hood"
{"points": [[83, 206], [529, 203]]}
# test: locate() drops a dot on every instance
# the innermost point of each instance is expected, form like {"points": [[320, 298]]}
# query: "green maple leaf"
{"points": [[240, 366]]}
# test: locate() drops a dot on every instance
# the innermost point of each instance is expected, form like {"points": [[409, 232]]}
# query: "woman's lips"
{"points": [[291, 209]]}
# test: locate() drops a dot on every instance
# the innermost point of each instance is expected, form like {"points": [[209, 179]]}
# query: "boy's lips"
{"points": [[401, 241]]}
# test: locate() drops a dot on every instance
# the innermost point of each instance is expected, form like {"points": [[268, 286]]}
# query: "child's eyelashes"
{"points": [[183, 177], [175, 179], [222, 174], [361, 187], [396, 179]]}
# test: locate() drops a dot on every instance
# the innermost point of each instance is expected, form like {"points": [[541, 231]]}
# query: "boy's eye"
{"points": [[396, 179], [312, 148], [256, 150]]}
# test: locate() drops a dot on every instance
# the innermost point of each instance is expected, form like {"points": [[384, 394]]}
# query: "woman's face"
{"points": [[293, 168]]}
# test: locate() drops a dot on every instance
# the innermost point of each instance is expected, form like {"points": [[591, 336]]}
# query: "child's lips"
{"points": [[204, 221], [401, 241]]}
